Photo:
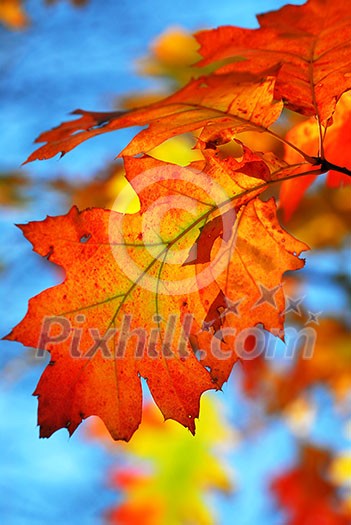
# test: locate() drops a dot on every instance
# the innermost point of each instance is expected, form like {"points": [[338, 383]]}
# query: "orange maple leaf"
{"points": [[217, 104], [311, 43], [129, 307]]}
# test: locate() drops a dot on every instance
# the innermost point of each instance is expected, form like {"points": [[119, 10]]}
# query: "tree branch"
{"points": [[327, 166]]}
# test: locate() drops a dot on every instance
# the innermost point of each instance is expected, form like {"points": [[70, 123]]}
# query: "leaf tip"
{"points": [[8, 337]]}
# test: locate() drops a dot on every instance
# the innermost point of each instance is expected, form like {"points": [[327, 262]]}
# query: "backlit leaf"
{"points": [[125, 275], [311, 43], [217, 104]]}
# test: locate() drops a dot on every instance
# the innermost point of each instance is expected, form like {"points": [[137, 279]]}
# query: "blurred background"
{"points": [[272, 448]]}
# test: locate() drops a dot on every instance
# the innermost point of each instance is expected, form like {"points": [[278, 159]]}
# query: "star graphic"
{"points": [[232, 306], [206, 325], [313, 317], [267, 296], [293, 305]]}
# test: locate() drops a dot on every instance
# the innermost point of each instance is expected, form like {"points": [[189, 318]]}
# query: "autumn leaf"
{"points": [[306, 493], [311, 43], [126, 283], [335, 148], [169, 471], [12, 14], [89, 379], [251, 164], [252, 286], [217, 104]]}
